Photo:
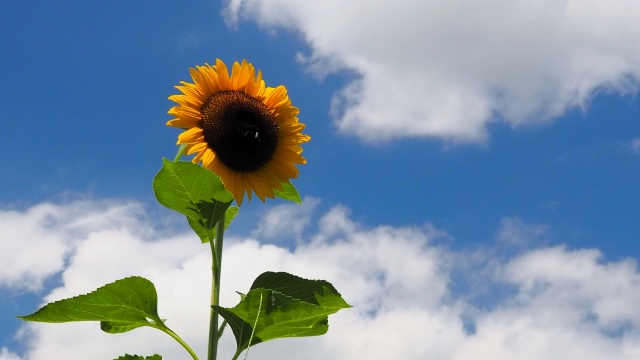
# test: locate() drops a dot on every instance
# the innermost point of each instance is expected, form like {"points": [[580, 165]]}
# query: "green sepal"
{"points": [[181, 150], [289, 192]]}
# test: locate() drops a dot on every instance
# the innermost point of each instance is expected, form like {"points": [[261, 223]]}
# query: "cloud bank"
{"points": [[449, 68], [553, 303]]}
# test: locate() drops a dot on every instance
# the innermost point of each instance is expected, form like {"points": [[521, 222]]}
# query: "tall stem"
{"points": [[216, 255]]}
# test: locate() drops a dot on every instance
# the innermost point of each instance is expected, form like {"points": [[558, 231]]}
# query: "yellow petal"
{"points": [[223, 75], [191, 135]]}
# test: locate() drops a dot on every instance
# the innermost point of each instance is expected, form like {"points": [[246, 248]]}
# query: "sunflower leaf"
{"points": [[203, 232], [231, 213], [196, 192], [282, 305], [138, 357], [289, 192], [120, 306], [117, 327]]}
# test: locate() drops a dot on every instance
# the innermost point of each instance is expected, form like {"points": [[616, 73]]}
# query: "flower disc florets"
{"points": [[240, 130]]}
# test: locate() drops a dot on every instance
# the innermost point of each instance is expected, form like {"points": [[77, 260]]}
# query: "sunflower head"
{"points": [[246, 133]]}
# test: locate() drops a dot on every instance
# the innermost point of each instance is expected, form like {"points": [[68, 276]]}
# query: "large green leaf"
{"points": [[195, 192], [317, 292], [282, 305], [120, 306]]}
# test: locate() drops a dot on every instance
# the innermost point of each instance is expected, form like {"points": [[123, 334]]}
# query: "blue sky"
{"points": [[498, 146]]}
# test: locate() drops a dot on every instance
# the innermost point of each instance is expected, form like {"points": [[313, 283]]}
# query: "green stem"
{"points": [[216, 254], [221, 329], [178, 339]]}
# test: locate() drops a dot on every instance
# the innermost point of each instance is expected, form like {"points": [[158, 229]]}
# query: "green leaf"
{"points": [[289, 192], [120, 306], [116, 327], [231, 213], [317, 292], [138, 357], [195, 192], [203, 232], [282, 305]]}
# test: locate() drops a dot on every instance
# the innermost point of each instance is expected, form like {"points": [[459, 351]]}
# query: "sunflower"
{"points": [[246, 133]]}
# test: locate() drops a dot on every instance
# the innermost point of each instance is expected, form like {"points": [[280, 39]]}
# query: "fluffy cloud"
{"points": [[448, 68], [36, 241], [561, 303], [5, 354], [288, 220], [513, 230]]}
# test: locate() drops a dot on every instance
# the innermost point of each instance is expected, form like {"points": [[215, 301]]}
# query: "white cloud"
{"points": [[635, 145], [448, 68], [574, 282], [39, 238], [5, 354], [513, 230], [287, 220], [564, 304]]}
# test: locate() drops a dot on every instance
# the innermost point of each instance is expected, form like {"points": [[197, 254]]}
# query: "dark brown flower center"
{"points": [[239, 129]]}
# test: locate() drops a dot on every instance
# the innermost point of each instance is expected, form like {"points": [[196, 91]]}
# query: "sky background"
{"points": [[471, 185]]}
